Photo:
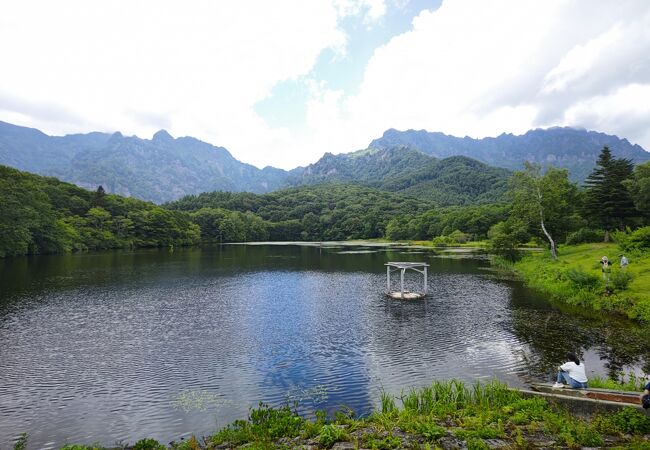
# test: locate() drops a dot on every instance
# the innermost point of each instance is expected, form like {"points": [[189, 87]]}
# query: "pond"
{"points": [[116, 346]]}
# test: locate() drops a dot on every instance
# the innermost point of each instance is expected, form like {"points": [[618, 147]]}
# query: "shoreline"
{"points": [[576, 279], [445, 414]]}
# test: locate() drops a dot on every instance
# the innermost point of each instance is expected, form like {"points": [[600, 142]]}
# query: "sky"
{"points": [[282, 82]]}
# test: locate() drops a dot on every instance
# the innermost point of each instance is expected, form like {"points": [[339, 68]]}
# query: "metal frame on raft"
{"points": [[403, 267]]}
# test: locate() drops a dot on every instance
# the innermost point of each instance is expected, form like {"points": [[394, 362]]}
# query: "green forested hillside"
{"points": [[444, 182], [44, 215], [457, 180], [321, 212], [455, 224]]}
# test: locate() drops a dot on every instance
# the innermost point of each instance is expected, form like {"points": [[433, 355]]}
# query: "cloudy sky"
{"points": [[281, 82]]}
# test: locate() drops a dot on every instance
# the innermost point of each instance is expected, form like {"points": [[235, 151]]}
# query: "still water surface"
{"points": [[113, 346]]}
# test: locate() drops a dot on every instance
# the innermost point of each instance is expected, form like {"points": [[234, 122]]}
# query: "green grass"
{"points": [[420, 418], [576, 278], [630, 383]]}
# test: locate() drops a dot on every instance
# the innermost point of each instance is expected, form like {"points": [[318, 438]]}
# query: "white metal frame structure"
{"points": [[403, 267]]}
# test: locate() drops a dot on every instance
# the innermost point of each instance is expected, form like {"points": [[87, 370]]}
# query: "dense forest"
{"points": [[44, 215], [545, 207], [321, 212], [456, 180]]}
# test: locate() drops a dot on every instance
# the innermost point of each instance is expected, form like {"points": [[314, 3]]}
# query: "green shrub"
{"points": [[585, 236], [620, 280], [630, 420], [477, 444], [582, 279], [264, 424], [312, 429], [148, 444], [430, 431], [636, 444], [189, 444], [526, 410], [506, 236], [330, 434], [638, 240], [275, 422], [458, 237], [579, 434], [378, 443], [442, 241]]}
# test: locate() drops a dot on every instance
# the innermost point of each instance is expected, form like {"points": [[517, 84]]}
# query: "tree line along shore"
{"points": [[609, 214]]}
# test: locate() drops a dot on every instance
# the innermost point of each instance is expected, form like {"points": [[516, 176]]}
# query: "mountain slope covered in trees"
{"points": [[450, 181], [570, 148], [432, 166], [45, 215], [320, 212]]}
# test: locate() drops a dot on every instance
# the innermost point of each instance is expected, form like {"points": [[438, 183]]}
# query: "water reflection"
{"points": [[609, 342], [121, 345]]}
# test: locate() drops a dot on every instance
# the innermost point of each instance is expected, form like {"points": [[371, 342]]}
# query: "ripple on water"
{"points": [[174, 343]]}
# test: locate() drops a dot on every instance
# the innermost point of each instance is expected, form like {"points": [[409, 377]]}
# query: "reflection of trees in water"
{"points": [[550, 334]]}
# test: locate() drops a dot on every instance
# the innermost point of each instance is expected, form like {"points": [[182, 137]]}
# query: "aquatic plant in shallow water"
{"points": [[316, 394], [198, 400], [21, 443]]}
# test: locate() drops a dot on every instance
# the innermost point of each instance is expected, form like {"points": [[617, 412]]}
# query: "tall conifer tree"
{"points": [[608, 201]]}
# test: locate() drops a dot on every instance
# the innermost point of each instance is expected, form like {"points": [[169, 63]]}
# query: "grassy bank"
{"points": [[442, 243], [576, 278], [443, 415]]}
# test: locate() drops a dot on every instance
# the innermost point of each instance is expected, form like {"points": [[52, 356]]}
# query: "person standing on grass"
{"points": [[605, 263], [606, 266], [624, 261], [571, 373]]}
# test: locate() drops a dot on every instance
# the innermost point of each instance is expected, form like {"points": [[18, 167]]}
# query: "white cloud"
{"points": [[482, 68], [198, 68], [371, 10], [620, 112]]}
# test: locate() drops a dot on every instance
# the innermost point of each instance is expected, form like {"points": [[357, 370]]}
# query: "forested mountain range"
{"points": [[456, 180], [570, 148], [432, 166], [159, 169]]}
